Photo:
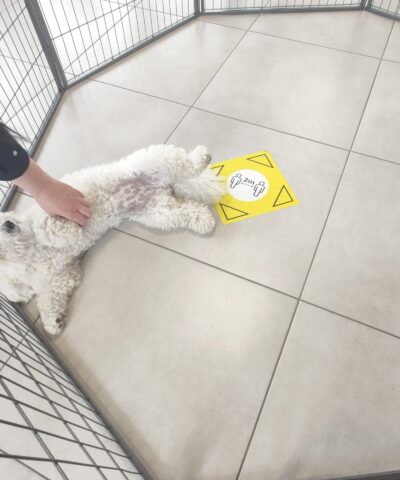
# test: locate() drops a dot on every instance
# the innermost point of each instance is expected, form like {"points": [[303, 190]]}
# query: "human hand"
{"points": [[56, 198], [59, 199]]}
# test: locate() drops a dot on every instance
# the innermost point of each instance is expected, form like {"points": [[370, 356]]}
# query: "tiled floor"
{"points": [[270, 350]]}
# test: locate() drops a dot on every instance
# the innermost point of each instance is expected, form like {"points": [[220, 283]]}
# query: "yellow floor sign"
{"points": [[255, 186]]}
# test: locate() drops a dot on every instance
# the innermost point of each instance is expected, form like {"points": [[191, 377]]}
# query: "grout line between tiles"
{"points": [[177, 125], [245, 121], [191, 107], [270, 382], [390, 61], [254, 282], [211, 79], [376, 158], [377, 329], [200, 19], [271, 128], [346, 162], [315, 45], [202, 262], [139, 92]]}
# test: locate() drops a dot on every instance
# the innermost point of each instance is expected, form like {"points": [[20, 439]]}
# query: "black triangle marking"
{"points": [[241, 213], [220, 168], [261, 160], [276, 204]]}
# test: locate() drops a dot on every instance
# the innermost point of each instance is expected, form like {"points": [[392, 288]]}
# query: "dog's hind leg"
{"points": [[200, 158], [187, 214], [187, 165]]}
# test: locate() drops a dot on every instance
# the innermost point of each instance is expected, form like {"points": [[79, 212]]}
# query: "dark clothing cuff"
{"points": [[14, 161]]}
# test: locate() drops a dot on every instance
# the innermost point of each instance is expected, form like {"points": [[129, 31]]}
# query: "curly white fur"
{"points": [[162, 187]]}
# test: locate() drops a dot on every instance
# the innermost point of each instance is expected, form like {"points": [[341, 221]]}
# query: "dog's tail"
{"points": [[205, 188]]}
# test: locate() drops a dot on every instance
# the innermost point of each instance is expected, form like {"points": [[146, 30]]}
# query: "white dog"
{"points": [[162, 187]]}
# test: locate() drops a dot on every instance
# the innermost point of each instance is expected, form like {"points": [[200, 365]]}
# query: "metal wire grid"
{"points": [[316, 4], [88, 34], [28, 91], [210, 6], [386, 7], [242, 6], [46, 423], [40, 406]]}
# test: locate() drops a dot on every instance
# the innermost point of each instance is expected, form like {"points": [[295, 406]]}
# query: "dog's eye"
{"points": [[8, 226]]}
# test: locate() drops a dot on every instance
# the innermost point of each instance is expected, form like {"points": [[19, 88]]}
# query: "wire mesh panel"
{"points": [[307, 4], [277, 5], [232, 5], [48, 429], [28, 90], [90, 33], [391, 7]]}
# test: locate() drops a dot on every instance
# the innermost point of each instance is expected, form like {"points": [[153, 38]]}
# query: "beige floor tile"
{"points": [[358, 32], [293, 87], [98, 123], [379, 130], [177, 67], [334, 398], [231, 20], [355, 271], [393, 48], [176, 354]]}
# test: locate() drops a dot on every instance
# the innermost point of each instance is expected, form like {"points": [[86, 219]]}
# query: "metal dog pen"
{"points": [[46, 47]]}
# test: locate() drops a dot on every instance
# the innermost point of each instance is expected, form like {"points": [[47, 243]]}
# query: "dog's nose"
{"points": [[8, 226]]}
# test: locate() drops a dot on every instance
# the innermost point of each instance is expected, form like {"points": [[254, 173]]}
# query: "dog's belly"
{"points": [[139, 193]]}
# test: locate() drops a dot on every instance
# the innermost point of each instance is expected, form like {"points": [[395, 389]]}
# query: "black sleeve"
{"points": [[14, 161]]}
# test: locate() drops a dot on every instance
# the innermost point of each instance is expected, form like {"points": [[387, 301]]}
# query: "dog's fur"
{"points": [[162, 187]]}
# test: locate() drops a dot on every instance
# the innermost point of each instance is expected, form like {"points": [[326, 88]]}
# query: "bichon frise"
{"points": [[161, 186]]}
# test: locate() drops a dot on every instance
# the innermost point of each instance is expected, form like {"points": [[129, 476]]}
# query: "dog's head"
{"points": [[16, 237], [16, 241]]}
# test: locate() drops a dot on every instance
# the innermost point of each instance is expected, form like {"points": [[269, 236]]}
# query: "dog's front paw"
{"points": [[54, 326], [203, 222]]}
